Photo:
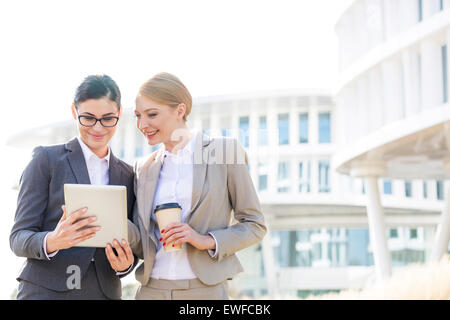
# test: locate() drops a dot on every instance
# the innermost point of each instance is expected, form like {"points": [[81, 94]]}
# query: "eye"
{"points": [[151, 115], [137, 115]]}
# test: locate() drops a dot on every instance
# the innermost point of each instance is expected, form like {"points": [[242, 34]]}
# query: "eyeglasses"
{"points": [[89, 121]]}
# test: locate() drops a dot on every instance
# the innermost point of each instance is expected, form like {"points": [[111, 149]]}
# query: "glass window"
{"points": [[413, 233], [387, 187], [408, 189], [393, 233], [262, 131], [420, 10], [262, 182], [243, 131], [425, 190], [262, 177], [441, 5], [440, 190], [324, 128], [444, 74], [304, 170], [303, 128], [206, 126], [225, 133], [283, 129], [283, 177], [324, 181]]}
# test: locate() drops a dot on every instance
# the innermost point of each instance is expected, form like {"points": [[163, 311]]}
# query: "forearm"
{"points": [[238, 237], [28, 244]]}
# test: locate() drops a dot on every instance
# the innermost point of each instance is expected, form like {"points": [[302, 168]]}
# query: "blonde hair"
{"points": [[167, 89]]}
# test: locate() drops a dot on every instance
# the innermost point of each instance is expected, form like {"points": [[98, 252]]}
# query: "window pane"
{"points": [[393, 233], [408, 191], [303, 128], [324, 128], [283, 129], [243, 131], [304, 170], [425, 190], [387, 187], [413, 233], [324, 185], [283, 177], [262, 132], [419, 9], [440, 190], [262, 182]]}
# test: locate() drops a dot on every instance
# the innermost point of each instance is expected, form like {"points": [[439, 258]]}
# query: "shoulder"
{"points": [[48, 152], [143, 162]]}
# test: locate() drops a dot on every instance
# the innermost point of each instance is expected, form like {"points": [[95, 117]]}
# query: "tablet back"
{"points": [[108, 203]]}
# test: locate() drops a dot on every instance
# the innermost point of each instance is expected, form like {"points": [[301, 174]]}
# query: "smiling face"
{"points": [[96, 137], [157, 121]]}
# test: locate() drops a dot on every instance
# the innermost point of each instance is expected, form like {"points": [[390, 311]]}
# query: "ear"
{"points": [[181, 109], [74, 111]]}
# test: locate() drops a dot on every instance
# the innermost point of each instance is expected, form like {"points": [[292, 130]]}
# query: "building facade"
{"points": [[392, 106], [318, 237]]}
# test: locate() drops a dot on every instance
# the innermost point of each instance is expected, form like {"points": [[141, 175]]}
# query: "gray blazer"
{"points": [[41, 195], [221, 190]]}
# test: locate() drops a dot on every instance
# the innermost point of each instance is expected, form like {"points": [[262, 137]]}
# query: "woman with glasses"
{"points": [[188, 174], [43, 233]]}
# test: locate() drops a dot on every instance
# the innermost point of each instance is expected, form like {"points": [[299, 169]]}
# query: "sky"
{"points": [[214, 47]]}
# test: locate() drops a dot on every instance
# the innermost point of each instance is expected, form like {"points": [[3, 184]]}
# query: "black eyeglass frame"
{"points": [[97, 120]]}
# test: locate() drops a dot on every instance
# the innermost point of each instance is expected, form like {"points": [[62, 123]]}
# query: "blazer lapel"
{"points": [[147, 187], [201, 156], [115, 174], [77, 162]]}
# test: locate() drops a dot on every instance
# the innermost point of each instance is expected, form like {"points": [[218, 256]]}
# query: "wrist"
{"points": [[210, 244], [49, 246]]}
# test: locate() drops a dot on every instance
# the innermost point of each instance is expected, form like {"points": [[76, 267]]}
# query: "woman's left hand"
{"points": [[124, 258], [177, 233]]}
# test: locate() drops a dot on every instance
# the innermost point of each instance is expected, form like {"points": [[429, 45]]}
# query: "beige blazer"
{"points": [[221, 185]]}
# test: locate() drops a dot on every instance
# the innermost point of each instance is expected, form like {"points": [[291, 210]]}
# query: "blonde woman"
{"points": [[208, 190]]}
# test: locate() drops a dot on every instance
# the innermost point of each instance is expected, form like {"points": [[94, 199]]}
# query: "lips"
{"points": [[151, 134], [97, 136]]}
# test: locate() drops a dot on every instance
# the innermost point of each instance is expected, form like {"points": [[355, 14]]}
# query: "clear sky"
{"points": [[214, 47]]}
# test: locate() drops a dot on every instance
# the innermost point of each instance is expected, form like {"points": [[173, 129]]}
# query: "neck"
{"points": [[183, 139], [101, 152]]}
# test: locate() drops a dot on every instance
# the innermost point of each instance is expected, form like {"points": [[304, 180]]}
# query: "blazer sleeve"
{"points": [[134, 236], [27, 238], [250, 227]]}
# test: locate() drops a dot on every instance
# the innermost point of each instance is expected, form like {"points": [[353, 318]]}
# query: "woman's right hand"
{"points": [[67, 233]]}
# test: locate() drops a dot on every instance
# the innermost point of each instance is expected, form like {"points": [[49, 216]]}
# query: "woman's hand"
{"points": [[69, 231], [124, 258], [177, 233]]}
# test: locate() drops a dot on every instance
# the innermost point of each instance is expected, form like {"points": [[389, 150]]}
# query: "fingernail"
{"points": [[173, 245], [164, 244], [123, 241], [162, 231], [160, 239]]}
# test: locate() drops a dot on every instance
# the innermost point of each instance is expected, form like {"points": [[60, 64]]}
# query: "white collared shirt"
{"points": [[174, 185], [98, 170]]}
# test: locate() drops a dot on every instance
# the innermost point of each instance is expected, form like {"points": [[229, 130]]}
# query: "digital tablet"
{"points": [[107, 203]]}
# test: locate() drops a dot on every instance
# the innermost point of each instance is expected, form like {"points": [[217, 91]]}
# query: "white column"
{"points": [[443, 231], [370, 170], [431, 73], [269, 264]]}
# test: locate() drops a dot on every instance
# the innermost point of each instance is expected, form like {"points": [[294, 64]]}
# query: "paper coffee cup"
{"points": [[165, 214]]}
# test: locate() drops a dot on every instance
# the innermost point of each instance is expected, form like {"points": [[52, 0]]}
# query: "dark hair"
{"points": [[97, 87]]}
